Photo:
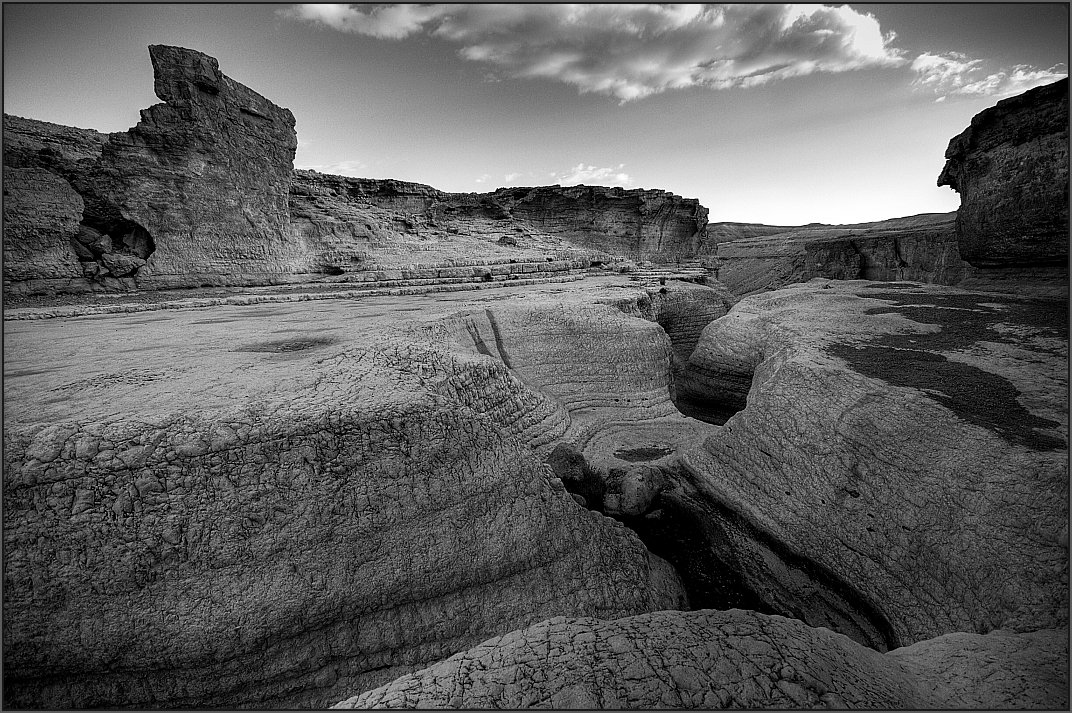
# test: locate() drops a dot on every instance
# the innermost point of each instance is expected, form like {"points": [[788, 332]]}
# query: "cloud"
{"points": [[634, 51], [356, 169], [590, 175], [511, 177], [482, 179], [383, 21], [1015, 81], [954, 74]]}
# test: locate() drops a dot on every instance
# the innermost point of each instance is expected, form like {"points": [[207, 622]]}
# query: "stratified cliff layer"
{"points": [[636, 223], [202, 192], [1010, 167], [920, 248], [195, 193]]}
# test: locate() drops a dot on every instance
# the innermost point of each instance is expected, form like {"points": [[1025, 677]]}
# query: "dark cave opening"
{"points": [[109, 245]]}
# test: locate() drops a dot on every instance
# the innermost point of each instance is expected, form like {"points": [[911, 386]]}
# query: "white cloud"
{"points": [[482, 179], [953, 74], [590, 175], [356, 169], [1015, 81], [383, 21], [511, 177], [633, 51]]}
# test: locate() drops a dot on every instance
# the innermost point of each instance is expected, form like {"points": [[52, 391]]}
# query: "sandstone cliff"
{"points": [[195, 193], [637, 223], [920, 248], [1010, 167]]}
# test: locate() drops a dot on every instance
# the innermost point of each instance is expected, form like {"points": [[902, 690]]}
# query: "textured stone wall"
{"points": [[195, 193], [919, 248], [1010, 167], [636, 223]]}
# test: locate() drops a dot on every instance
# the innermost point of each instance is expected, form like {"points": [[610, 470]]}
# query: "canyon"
{"points": [[281, 439]]}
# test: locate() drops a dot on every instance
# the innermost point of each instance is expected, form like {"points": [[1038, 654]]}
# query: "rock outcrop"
{"points": [[304, 514], [196, 193], [360, 229], [730, 659], [898, 458], [921, 248], [1010, 167], [639, 224]]}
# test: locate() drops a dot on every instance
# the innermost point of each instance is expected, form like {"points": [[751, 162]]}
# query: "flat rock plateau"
{"points": [[280, 439]]}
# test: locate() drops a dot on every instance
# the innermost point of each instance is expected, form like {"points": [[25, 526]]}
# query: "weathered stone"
{"points": [[731, 659], [1010, 167], [636, 223], [909, 442], [920, 248], [370, 505], [41, 219]]}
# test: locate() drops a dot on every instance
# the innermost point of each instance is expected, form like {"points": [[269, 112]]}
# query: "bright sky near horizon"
{"points": [[776, 114]]}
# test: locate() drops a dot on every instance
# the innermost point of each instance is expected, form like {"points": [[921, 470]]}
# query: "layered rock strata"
{"points": [[920, 248], [639, 224], [373, 505], [905, 445], [197, 190], [730, 660], [1010, 167]]}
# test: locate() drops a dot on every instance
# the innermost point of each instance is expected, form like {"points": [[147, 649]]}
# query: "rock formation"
{"points": [[731, 659], [901, 449], [195, 193], [1011, 170], [920, 248], [308, 513], [636, 223]]}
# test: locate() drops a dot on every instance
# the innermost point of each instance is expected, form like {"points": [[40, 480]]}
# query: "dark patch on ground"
{"points": [[638, 455], [706, 409], [24, 372], [897, 286], [288, 345], [974, 395], [214, 321]]}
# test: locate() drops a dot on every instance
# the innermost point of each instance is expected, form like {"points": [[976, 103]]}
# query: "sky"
{"points": [[777, 114]]}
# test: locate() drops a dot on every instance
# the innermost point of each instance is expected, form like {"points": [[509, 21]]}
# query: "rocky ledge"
{"points": [[1011, 170]]}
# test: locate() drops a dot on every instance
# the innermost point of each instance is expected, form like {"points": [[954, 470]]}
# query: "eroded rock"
{"points": [[909, 440], [373, 506], [732, 659], [1011, 170]]}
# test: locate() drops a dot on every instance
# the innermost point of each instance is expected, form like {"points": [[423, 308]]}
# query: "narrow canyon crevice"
{"points": [[724, 560]]}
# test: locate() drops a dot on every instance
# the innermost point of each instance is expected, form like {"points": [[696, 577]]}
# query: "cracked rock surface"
{"points": [[910, 440], [729, 659], [291, 503]]}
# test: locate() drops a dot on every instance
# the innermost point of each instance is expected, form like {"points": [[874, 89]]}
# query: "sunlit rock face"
{"points": [[921, 248], [303, 515], [639, 224], [735, 659], [1010, 167], [909, 440], [195, 193]]}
